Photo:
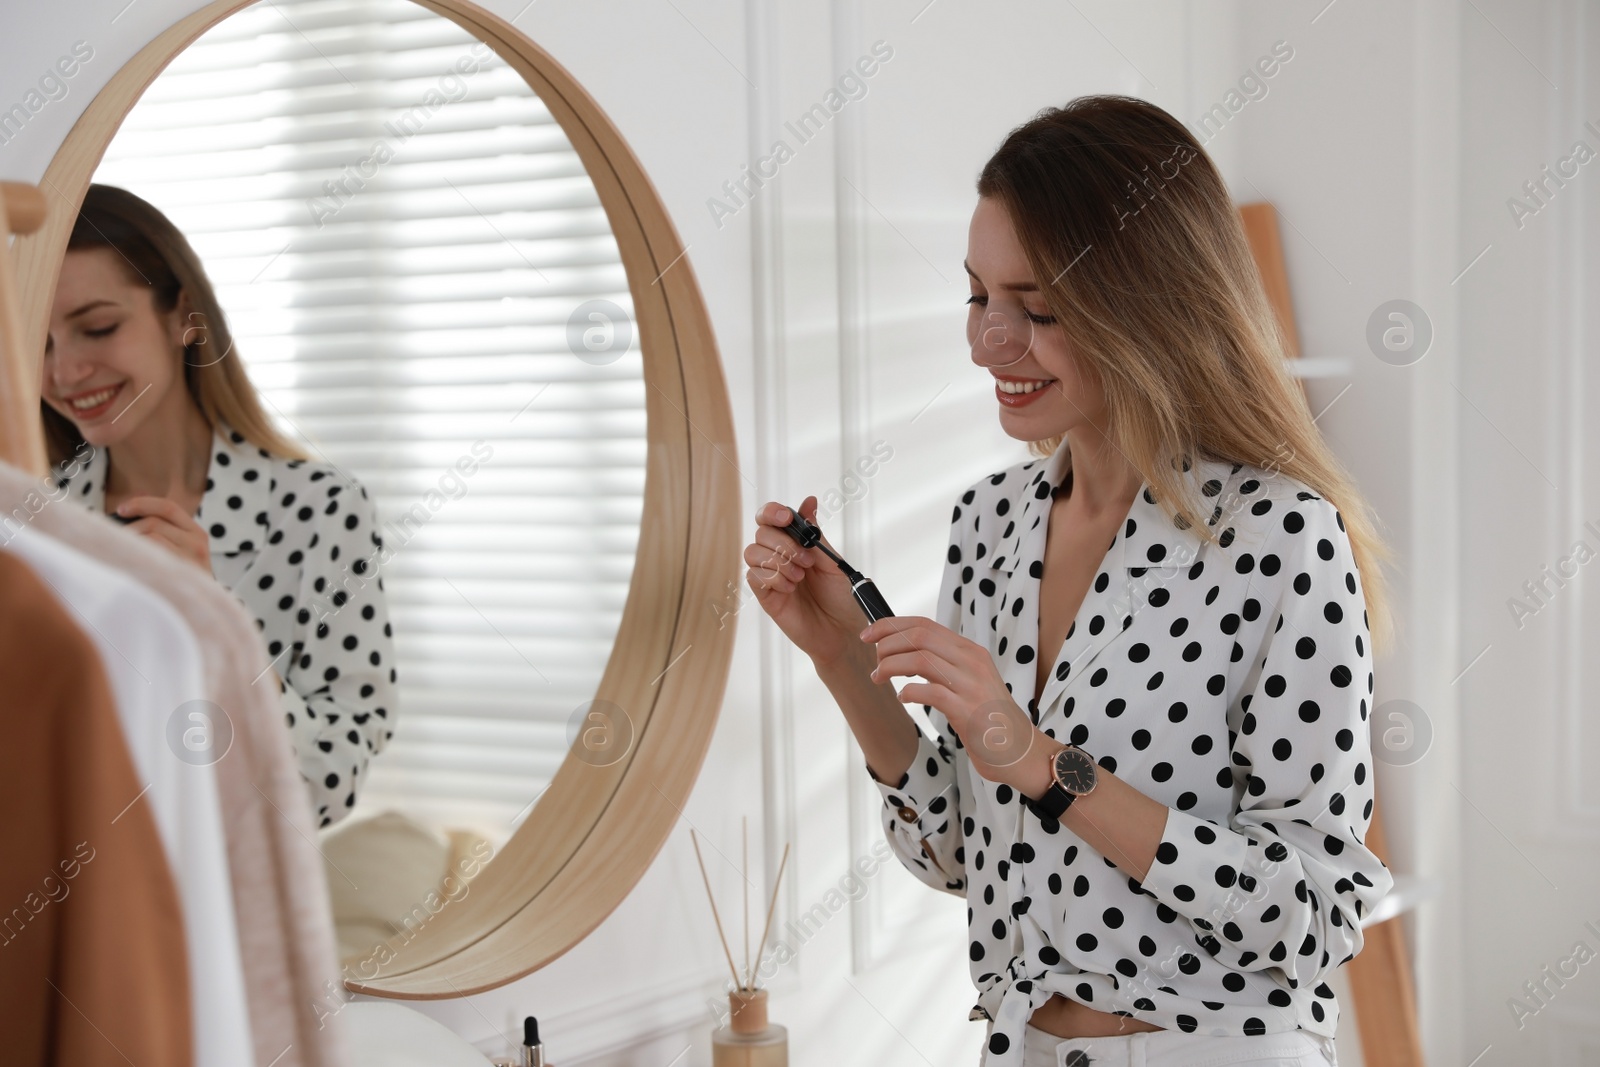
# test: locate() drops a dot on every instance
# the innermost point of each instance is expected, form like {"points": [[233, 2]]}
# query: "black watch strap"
{"points": [[1052, 804]]}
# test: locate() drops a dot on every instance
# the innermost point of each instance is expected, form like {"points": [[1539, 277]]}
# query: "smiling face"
{"points": [[1039, 386], [110, 363]]}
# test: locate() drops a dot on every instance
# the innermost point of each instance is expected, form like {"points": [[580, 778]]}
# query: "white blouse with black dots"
{"points": [[1228, 680], [298, 542]]}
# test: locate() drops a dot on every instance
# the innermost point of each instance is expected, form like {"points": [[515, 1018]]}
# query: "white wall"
{"points": [[1531, 863], [1388, 143]]}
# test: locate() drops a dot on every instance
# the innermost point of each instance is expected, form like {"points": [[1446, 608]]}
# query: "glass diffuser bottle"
{"points": [[749, 1040]]}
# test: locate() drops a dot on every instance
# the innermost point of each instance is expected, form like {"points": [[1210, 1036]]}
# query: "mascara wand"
{"points": [[866, 593]]}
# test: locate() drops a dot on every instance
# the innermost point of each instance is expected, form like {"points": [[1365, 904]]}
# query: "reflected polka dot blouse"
{"points": [[298, 543], [1229, 680]]}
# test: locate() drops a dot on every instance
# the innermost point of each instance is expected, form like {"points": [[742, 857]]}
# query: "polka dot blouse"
{"points": [[1231, 681], [298, 543]]}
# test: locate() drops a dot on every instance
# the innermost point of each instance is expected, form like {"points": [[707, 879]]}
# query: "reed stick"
{"points": [[706, 878], [776, 883], [744, 873]]}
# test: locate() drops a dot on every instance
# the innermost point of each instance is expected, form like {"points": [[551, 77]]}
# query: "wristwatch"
{"points": [[1075, 775]]}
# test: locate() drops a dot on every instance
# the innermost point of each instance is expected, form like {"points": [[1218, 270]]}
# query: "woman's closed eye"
{"points": [[1041, 320], [103, 331]]}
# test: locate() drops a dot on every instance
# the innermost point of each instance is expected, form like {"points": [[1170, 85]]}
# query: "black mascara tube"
{"points": [[866, 594]]}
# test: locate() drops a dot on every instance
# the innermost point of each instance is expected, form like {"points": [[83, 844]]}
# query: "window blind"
{"points": [[395, 309]]}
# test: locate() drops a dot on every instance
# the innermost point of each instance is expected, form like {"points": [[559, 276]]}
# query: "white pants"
{"points": [[1173, 1048]]}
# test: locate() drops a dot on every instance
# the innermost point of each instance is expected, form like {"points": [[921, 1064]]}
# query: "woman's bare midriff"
{"points": [[1068, 1018]]}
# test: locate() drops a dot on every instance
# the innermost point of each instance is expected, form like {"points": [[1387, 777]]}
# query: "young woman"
{"points": [[1149, 673], [150, 417]]}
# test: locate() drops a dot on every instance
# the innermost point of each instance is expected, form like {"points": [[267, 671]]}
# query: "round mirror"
{"points": [[408, 221], [426, 292]]}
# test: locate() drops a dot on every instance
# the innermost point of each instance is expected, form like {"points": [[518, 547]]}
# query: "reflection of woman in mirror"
{"points": [[139, 365], [1150, 669]]}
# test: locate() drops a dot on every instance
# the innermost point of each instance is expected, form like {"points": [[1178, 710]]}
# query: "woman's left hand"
{"points": [[964, 684], [163, 521]]}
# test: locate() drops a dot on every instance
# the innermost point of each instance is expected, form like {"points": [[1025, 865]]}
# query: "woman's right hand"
{"points": [[803, 590]]}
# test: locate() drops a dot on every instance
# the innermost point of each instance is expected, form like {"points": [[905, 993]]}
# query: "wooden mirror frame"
{"points": [[595, 829]]}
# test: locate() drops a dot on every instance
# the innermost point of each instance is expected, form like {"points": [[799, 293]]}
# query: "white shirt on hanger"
{"points": [[152, 662]]}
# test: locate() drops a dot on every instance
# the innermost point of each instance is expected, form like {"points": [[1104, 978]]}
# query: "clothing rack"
{"points": [[268, 888], [22, 211]]}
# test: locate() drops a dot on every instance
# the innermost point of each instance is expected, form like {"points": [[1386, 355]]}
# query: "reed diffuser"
{"points": [[749, 1039]]}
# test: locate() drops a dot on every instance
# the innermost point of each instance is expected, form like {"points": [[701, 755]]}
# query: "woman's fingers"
{"points": [[150, 527], [919, 663], [929, 693], [769, 514], [767, 584], [158, 506], [895, 625], [901, 633], [783, 546], [773, 533], [777, 515], [770, 572], [772, 559], [158, 529]]}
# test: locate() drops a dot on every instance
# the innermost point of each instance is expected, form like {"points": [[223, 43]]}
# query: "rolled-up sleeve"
{"points": [[1284, 885], [922, 811], [921, 817]]}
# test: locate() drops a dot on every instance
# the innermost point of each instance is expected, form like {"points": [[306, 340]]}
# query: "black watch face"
{"points": [[1075, 770]]}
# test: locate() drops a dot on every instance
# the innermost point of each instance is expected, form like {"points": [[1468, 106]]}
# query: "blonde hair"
{"points": [[155, 254], [1166, 309]]}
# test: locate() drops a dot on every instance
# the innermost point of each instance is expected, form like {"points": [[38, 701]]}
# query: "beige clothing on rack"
{"points": [[154, 666], [279, 888], [93, 959]]}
